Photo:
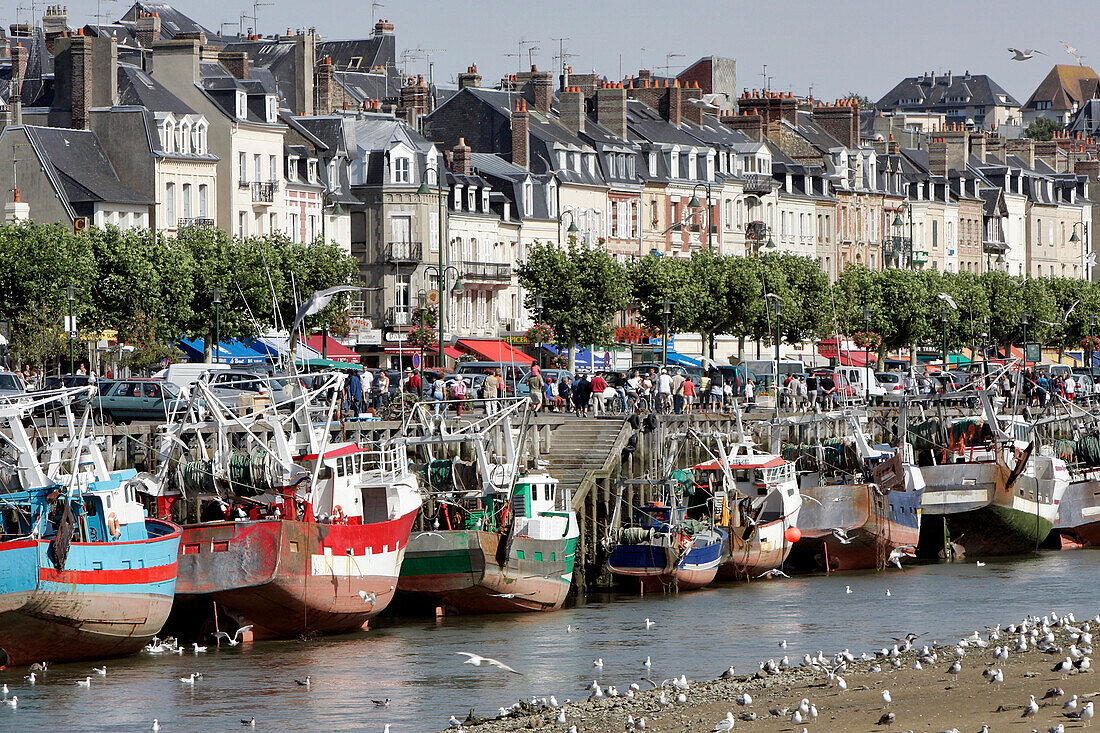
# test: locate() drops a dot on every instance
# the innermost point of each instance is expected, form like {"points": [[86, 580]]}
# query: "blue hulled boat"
{"points": [[84, 573]]}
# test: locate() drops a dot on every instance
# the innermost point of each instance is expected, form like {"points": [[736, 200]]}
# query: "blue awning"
{"points": [[586, 359], [229, 352], [681, 360]]}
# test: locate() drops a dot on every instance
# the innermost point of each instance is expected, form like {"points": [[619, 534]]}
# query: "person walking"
{"points": [[381, 389], [490, 390], [458, 392], [664, 391], [582, 393], [1070, 385], [534, 384], [750, 393], [717, 389], [565, 393], [688, 391], [1042, 390], [354, 394], [678, 392], [599, 386]]}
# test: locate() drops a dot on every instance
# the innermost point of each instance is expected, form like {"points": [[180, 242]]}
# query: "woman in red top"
{"points": [[599, 384], [688, 389]]}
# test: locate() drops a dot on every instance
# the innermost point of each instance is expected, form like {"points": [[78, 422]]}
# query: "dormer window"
{"points": [[552, 200], [653, 165], [198, 136], [528, 198], [485, 199], [471, 198], [311, 167], [292, 167], [674, 165], [458, 198], [185, 139], [613, 166], [242, 105], [169, 137], [401, 170], [272, 108], [562, 160]]}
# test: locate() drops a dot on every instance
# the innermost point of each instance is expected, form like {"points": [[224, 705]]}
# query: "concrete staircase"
{"points": [[580, 447]]}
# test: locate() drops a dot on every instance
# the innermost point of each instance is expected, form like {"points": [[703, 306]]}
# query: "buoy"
{"points": [[792, 535]]}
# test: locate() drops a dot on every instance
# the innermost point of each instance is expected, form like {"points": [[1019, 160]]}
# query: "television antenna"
{"points": [[668, 61]]}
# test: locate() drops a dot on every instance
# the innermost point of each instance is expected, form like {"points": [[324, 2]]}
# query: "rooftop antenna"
{"points": [[531, 54], [408, 55], [766, 77], [668, 60], [562, 57], [256, 5], [374, 6], [428, 56], [644, 49], [524, 42], [222, 27], [99, 14]]}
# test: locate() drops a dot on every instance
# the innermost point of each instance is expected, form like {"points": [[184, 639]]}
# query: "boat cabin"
{"points": [[541, 507], [357, 485]]}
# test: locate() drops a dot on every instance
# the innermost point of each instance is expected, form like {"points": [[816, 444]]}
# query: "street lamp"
{"points": [[218, 292], [457, 287], [572, 230], [695, 204], [423, 190], [1023, 322], [1084, 247], [666, 310], [70, 292], [778, 343], [538, 310], [900, 243], [943, 321], [866, 351]]}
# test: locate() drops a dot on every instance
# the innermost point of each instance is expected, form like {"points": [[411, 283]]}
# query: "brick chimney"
{"points": [[1090, 168], [752, 124], [199, 36], [147, 29], [977, 145], [611, 108], [542, 89], [937, 158], [81, 79], [521, 142], [995, 150], [840, 120], [571, 109], [460, 157], [19, 59], [326, 102], [1046, 151], [383, 28], [55, 25], [414, 100], [470, 78], [689, 109], [957, 140], [675, 103], [1023, 148], [235, 62]]}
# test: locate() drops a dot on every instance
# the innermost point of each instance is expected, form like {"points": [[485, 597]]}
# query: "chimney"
{"points": [[611, 109], [571, 109], [1047, 151], [460, 165], [16, 209], [55, 24], [840, 120], [958, 148], [326, 104], [675, 103], [689, 110], [414, 100], [80, 49], [977, 145], [383, 28], [542, 86], [521, 142], [750, 124], [199, 36], [995, 150], [470, 78], [235, 62], [937, 158], [1023, 148], [147, 29], [1090, 168], [19, 58], [21, 30], [305, 72]]}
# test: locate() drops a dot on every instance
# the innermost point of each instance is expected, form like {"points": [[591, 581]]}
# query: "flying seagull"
{"points": [[1073, 52], [1024, 55], [317, 302], [949, 300], [235, 639], [479, 661]]}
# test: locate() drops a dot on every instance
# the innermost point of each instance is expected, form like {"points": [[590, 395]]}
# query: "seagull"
{"points": [[1024, 55], [561, 717], [954, 669], [32, 677], [235, 639], [649, 624], [198, 649], [304, 683], [101, 671], [744, 699], [796, 717], [888, 593], [382, 703], [725, 724], [842, 536], [980, 564], [1070, 704], [728, 674], [86, 682], [647, 663], [251, 721], [156, 724], [847, 589], [479, 661], [996, 676], [13, 703], [898, 553], [886, 699], [1031, 708], [949, 300], [372, 597], [1054, 692], [1063, 668], [455, 722], [1073, 52], [188, 680], [886, 719], [773, 573], [318, 301], [598, 663]]}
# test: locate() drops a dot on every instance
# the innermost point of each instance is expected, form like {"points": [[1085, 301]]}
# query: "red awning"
{"points": [[844, 356], [493, 350], [332, 349], [449, 351], [401, 351]]}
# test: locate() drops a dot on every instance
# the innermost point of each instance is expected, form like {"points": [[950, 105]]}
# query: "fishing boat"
{"points": [[994, 488], [284, 530], [1078, 521], [503, 538], [862, 502], [84, 573]]}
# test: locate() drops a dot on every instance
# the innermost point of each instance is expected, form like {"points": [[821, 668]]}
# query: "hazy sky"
{"points": [[835, 46]]}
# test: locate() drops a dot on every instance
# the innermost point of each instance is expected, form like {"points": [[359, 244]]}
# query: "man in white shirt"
{"points": [[368, 382]]}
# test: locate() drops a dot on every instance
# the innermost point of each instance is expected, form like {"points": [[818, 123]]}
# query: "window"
{"points": [[292, 223], [272, 108], [485, 200], [169, 137], [242, 104], [471, 198], [401, 170], [272, 223], [242, 167], [203, 206], [292, 168], [528, 198], [257, 167], [170, 205], [458, 198], [185, 139], [242, 225], [186, 203], [312, 167], [401, 292], [272, 169]]}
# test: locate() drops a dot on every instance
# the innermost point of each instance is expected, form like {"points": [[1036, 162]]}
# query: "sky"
{"points": [[834, 46]]}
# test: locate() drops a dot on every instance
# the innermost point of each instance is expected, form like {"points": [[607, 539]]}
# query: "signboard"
{"points": [[70, 326], [396, 337], [516, 339], [1033, 352], [433, 297], [370, 337]]}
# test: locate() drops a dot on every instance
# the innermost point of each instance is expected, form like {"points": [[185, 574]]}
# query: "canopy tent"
{"points": [[448, 351], [494, 350], [586, 358], [845, 355], [277, 346], [321, 363], [674, 357], [330, 348], [227, 352]]}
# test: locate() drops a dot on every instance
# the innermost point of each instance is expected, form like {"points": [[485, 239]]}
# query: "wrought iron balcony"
{"points": [[264, 193], [496, 271], [195, 222], [404, 252], [994, 248], [756, 230], [399, 316], [759, 183]]}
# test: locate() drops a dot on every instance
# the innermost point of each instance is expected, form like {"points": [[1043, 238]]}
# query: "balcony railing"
{"points": [[759, 183], [994, 248], [195, 222], [264, 193], [404, 252], [487, 271], [399, 316]]}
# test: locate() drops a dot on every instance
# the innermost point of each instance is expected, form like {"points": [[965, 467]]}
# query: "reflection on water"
{"points": [[414, 661]]}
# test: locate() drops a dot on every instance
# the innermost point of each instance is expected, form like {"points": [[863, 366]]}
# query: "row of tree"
{"points": [[583, 289], [154, 289]]}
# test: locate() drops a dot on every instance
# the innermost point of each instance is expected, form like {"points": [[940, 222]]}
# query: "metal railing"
{"points": [[399, 316], [264, 193], [195, 222], [759, 183], [404, 252], [486, 270]]}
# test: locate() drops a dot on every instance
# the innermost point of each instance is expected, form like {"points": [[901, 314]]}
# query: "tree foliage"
{"points": [[1042, 129]]}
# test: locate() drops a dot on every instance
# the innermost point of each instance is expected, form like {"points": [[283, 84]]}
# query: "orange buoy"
{"points": [[792, 535]]}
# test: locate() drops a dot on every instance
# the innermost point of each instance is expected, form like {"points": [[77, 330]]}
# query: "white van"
{"points": [[185, 374], [872, 391]]}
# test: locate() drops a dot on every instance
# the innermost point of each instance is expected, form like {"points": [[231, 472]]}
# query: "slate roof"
{"points": [[79, 168], [1087, 119], [136, 87], [38, 81], [172, 21], [367, 137], [932, 92], [1064, 86]]}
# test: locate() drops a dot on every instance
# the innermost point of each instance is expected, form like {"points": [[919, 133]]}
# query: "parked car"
{"points": [[513, 374], [12, 388], [230, 386], [184, 374], [856, 376], [136, 399]]}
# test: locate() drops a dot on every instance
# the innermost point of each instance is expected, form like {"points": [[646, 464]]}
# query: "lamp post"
{"points": [[423, 190], [572, 230], [1092, 325], [943, 322], [867, 352], [695, 204], [70, 293], [1084, 247], [538, 309], [778, 344], [218, 292], [442, 273], [898, 223], [666, 311], [421, 304], [1023, 322]]}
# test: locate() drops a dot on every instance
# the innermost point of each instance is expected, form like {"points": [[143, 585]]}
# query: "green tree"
{"points": [[582, 290], [864, 102], [1042, 129]]}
